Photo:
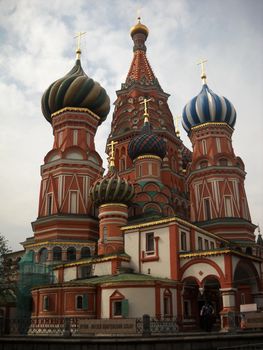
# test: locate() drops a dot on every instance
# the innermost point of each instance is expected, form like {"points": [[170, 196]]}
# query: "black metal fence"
{"points": [[70, 326]]}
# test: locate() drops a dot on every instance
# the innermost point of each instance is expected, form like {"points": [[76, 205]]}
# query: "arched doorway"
{"points": [[211, 294], [190, 307], [246, 281]]}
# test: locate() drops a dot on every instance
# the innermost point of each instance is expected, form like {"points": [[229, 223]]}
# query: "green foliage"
{"points": [[5, 263]]}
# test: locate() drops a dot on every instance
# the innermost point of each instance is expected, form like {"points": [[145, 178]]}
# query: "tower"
{"points": [[66, 229], [128, 121], [216, 175], [111, 194]]}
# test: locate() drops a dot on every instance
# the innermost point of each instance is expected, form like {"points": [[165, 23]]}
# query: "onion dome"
{"points": [[75, 89], [111, 189], [146, 143], [139, 28], [208, 107]]}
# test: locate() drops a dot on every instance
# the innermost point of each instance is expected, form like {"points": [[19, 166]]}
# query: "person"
{"points": [[207, 315]]}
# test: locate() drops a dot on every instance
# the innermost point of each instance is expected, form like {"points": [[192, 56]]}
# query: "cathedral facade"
{"points": [[166, 228]]}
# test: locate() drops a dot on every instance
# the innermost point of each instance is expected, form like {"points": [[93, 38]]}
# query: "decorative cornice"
{"points": [[113, 204], [171, 220], [93, 260], [219, 170], [218, 252], [75, 109], [211, 124], [148, 156], [58, 243]]}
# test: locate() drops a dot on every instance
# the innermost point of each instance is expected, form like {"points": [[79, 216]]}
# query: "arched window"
{"points": [[167, 303], [43, 255], [203, 164], [223, 162], [249, 250], [79, 302], [71, 254], [85, 252], [57, 254], [122, 165]]}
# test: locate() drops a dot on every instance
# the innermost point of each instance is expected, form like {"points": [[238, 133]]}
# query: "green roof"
{"points": [[122, 277]]}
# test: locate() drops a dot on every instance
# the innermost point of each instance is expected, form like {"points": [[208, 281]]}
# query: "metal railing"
{"points": [[70, 326]]}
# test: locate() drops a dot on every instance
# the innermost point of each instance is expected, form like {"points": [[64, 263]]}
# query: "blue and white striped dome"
{"points": [[208, 107]]}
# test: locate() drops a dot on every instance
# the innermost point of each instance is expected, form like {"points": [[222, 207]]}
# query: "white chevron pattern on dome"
{"points": [[208, 107]]}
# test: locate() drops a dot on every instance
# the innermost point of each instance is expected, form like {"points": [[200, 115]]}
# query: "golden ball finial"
{"points": [[139, 28]]}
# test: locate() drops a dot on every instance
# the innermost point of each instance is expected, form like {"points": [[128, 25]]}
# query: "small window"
{"points": [[82, 302], [57, 254], [105, 234], [79, 302], [85, 252], [45, 303], [75, 137], [200, 243], [122, 164], [223, 162], [243, 298], [73, 202], [183, 241], [49, 203], [204, 164], [117, 308], [71, 254], [206, 244], [43, 255], [166, 306], [149, 243], [228, 206], [88, 138], [204, 148], [212, 245], [218, 144], [207, 209], [60, 135]]}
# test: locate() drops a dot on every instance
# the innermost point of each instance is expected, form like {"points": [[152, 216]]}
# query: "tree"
{"points": [[6, 272]]}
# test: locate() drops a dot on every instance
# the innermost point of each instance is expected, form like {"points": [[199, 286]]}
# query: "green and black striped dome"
{"points": [[75, 89], [111, 189]]}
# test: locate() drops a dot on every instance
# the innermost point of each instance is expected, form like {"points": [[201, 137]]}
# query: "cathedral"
{"points": [[165, 228]]}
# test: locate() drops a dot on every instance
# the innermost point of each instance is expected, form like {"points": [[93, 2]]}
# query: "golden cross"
{"points": [[78, 50], [139, 14], [145, 106], [203, 75], [177, 118], [112, 156]]}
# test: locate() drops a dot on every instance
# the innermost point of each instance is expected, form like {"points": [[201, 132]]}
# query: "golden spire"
{"points": [[203, 75], [112, 155], [177, 131], [145, 114], [78, 50]]}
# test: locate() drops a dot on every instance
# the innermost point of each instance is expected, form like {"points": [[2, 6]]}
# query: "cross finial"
{"points": [[139, 14], [177, 131], [146, 114], [112, 155], [203, 75], [78, 50]]}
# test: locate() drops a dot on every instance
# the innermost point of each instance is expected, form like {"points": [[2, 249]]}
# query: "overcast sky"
{"points": [[38, 47]]}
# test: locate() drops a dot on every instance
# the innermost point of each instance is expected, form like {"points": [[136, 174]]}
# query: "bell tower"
{"points": [[216, 175]]}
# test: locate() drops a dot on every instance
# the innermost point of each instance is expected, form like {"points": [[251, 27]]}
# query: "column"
{"points": [[228, 314]]}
